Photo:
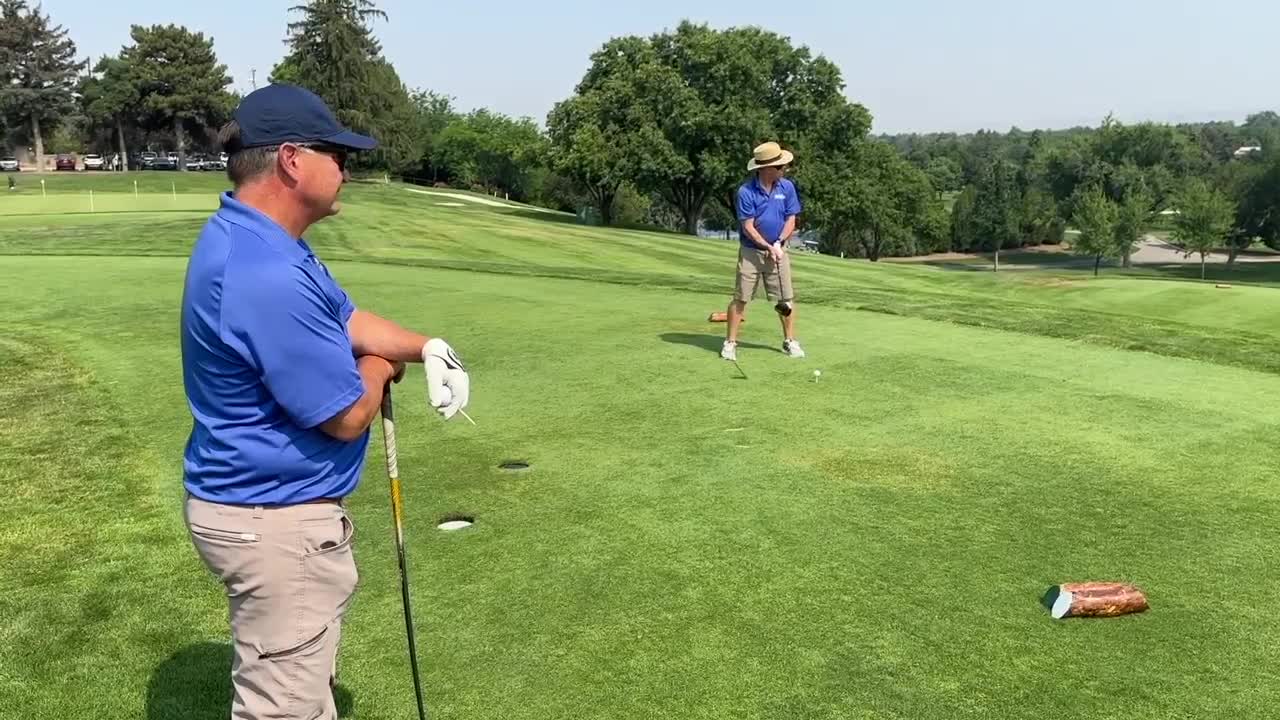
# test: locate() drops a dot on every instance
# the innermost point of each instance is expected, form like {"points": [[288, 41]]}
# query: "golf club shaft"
{"points": [[781, 306], [393, 473]]}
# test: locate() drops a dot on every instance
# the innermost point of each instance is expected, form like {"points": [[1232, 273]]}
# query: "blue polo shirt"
{"points": [[266, 359], [770, 209]]}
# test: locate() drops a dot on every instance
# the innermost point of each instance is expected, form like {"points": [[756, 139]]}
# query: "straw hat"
{"points": [[768, 155]]}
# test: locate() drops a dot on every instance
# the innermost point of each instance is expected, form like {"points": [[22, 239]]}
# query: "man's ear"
{"points": [[288, 164]]}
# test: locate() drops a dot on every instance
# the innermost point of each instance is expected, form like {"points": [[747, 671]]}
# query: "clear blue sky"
{"points": [[917, 65]]}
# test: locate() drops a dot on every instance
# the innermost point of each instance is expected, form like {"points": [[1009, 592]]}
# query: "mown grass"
{"points": [[386, 224], [688, 544]]}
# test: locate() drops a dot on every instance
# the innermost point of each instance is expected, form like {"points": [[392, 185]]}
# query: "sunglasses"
{"points": [[338, 154]]}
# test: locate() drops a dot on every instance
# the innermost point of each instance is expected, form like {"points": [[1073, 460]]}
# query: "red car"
{"points": [[65, 162]]}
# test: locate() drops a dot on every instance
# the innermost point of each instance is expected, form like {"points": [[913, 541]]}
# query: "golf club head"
{"points": [[783, 308]]}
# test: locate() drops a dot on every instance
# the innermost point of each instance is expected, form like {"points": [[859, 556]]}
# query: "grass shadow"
{"points": [[710, 343], [1254, 273], [195, 684]]}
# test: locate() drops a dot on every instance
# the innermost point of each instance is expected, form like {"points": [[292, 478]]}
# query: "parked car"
{"points": [[93, 162], [9, 163], [148, 159], [216, 163], [164, 162], [65, 162], [196, 162]]}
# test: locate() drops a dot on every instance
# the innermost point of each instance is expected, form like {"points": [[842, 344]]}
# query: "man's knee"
{"points": [[295, 684]]}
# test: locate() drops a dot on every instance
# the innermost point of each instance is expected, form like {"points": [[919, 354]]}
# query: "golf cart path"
{"points": [[1154, 251], [1151, 250], [479, 200]]}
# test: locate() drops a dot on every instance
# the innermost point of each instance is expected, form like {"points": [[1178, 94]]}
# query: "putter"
{"points": [[393, 473]]}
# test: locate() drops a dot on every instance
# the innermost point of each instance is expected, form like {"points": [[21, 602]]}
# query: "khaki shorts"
{"points": [[289, 576], [756, 268]]}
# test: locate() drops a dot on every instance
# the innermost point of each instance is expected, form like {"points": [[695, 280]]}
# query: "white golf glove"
{"points": [[448, 386]]}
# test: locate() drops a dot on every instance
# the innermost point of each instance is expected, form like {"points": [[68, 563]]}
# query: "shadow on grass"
{"points": [[711, 343], [195, 684], [1257, 273]]}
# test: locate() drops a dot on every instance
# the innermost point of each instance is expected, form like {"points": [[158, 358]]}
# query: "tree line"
{"points": [[167, 80], [658, 130], [1210, 185]]}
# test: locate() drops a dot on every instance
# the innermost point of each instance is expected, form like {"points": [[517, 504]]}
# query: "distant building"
{"points": [[1248, 150]]}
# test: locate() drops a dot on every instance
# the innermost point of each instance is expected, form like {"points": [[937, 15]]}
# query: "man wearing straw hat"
{"points": [[767, 210]]}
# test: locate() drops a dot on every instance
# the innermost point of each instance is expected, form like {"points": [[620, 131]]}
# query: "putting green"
{"points": [[105, 202]]}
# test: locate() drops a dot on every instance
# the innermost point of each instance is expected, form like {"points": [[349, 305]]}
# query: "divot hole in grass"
{"points": [[450, 523], [513, 465]]}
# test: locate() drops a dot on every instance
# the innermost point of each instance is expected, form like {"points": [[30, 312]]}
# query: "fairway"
{"points": [[686, 543]]}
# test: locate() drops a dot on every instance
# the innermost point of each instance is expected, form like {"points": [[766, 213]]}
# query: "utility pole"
{"points": [[253, 75]]}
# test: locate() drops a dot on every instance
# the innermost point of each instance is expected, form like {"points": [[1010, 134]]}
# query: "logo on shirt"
{"points": [[779, 197]]}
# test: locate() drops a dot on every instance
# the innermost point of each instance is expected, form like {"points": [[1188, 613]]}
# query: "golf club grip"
{"points": [[389, 435]]}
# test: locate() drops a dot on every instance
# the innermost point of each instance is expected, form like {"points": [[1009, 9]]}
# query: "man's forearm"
{"points": [[789, 229], [755, 236], [373, 335], [352, 422]]}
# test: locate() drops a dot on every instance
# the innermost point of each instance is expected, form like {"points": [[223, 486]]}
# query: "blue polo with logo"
{"points": [[770, 209], [266, 358]]}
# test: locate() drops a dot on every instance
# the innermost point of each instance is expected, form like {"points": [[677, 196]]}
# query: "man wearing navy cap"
{"points": [[284, 376]]}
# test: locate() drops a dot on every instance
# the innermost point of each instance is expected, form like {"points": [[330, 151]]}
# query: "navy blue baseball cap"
{"points": [[281, 113]]}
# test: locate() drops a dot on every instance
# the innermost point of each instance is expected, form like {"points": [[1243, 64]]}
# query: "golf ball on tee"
{"points": [[446, 396], [817, 374]]}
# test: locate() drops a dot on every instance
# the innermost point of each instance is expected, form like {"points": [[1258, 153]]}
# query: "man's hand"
{"points": [[776, 252], [448, 385]]}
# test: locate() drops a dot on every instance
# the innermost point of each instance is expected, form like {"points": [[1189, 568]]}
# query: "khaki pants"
{"points": [[290, 576], [756, 268]]}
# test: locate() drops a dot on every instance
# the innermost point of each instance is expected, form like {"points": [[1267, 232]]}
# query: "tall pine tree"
{"points": [[38, 70], [333, 53]]}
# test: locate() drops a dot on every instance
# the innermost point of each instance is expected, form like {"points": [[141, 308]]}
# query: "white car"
{"points": [[93, 162], [9, 164]]}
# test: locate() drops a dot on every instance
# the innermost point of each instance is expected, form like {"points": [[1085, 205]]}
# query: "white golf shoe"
{"points": [[792, 348], [729, 351]]}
